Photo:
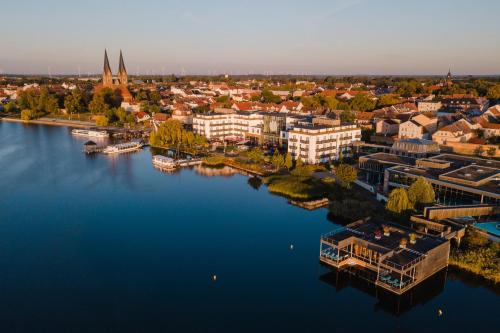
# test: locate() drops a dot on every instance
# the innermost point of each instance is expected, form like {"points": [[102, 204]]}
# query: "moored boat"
{"points": [[164, 162], [122, 147], [90, 133]]}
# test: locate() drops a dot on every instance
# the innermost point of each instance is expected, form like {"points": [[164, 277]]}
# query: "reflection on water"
{"points": [[212, 172], [387, 302]]}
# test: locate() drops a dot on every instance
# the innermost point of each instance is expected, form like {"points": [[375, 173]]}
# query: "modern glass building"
{"points": [[457, 180]]}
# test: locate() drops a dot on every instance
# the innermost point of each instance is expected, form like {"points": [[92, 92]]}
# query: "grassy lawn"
{"points": [[297, 187]]}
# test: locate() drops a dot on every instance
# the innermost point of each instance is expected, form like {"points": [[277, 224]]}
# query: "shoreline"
{"points": [[51, 122]]}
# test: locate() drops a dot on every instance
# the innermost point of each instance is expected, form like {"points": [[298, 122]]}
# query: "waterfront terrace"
{"points": [[400, 258]]}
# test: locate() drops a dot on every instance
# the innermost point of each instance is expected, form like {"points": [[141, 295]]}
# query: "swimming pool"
{"points": [[489, 227]]}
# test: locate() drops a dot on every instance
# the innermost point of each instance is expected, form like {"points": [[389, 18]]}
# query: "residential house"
{"points": [[141, 116], [387, 127], [429, 106], [459, 131], [417, 127]]}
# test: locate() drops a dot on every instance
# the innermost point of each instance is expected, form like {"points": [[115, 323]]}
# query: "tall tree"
{"points": [[347, 116], [74, 102], [288, 161], [361, 102], [398, 201], [347, 174], [421, 192]]}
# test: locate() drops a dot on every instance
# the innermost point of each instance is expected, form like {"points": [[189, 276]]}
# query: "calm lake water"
{"points": [[101, 244]]}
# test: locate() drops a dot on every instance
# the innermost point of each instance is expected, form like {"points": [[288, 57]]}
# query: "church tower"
{"points": [[449, 79], [107, 76], [122, 71]]}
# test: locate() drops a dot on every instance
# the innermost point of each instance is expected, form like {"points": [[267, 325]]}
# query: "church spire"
{"points": [[122, 71], [107, 75]]}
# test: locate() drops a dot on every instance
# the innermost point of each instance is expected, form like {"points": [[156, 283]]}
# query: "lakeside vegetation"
{"points": [[478, 255], [299, 184], [171, 134], [252, 160]]}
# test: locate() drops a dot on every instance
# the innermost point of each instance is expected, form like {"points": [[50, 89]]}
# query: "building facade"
{"points": [[316, 143]]}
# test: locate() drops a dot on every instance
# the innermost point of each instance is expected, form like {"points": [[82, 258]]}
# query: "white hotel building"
{"points": [[238, 125], [319, 143]]}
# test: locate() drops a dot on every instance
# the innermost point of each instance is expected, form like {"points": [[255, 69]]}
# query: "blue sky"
{"points": [[273, 36]]}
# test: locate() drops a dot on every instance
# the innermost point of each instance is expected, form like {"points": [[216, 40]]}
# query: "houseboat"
{"points": [[397, 259], [90, 133], [164, 162], [123, 147]]}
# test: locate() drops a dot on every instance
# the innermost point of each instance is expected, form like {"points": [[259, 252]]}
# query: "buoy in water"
{"points": [[291, 246], [440, 312], [214, 278]]}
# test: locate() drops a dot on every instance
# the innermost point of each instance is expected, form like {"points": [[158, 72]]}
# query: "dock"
{"points": [[311, 205], [191, 162]]}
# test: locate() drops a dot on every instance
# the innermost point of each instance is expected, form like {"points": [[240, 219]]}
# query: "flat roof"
{"points": [[460, 160], [389, 158], [473, 173], [491, 187], [366, 231]]}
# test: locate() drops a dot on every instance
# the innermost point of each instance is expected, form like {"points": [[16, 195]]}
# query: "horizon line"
{"points": [[81, 75]]}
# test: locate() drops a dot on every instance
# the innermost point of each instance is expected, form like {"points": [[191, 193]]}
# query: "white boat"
{"points": [[122, 147], [90, 133], [164, 162]]}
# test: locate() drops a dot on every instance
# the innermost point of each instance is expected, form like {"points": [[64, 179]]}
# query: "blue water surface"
{"points": [[109, 244]]}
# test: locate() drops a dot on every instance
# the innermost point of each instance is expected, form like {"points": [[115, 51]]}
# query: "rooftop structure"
{"points": [[415, 147]]}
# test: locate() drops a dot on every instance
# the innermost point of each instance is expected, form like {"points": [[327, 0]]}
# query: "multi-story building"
{"points": [[319, 143], [228, 124]]}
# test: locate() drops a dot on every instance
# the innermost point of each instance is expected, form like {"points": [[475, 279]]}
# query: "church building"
{"points": [[119, 82]]}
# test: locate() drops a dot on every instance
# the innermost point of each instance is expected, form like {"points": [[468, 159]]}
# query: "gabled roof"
{"points": [[460, 126]]}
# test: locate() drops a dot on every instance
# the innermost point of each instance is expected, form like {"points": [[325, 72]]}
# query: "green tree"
{"points": [[256, 155], [222, 99], [102, 102], [277, 160], [299, 164], [269, 97], [387, 100], [361, 102], [347, 174], [28, 114], [347, 116], [288, 161], [493, 92], [11, 107], [398, 201], [330, 102], [74, 102], [310, 102], [101, 121], [491, 151], [421, 192], [27, 99]]}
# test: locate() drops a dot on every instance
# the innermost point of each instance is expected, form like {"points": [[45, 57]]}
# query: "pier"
{"points": [[192, 162]]}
